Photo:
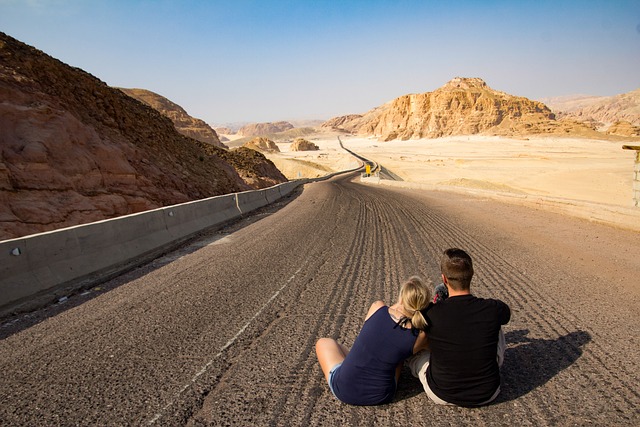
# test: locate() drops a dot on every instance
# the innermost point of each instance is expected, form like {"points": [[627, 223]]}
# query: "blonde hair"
{"points": [[415, 296]]}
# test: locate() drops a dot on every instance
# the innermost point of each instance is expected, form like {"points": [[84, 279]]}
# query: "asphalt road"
{"points": [[222, 331]]}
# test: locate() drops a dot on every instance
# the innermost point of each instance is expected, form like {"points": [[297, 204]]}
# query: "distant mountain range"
{"points": [[603, 111]]}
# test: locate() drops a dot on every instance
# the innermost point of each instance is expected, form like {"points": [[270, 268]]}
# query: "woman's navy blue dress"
{"points": [[367, 375]]}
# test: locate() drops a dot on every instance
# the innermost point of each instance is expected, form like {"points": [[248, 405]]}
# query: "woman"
{"points": [[368, 373]]}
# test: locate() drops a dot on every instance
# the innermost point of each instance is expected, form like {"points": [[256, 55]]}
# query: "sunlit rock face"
{"points": [[463, 106], [74, 150]]}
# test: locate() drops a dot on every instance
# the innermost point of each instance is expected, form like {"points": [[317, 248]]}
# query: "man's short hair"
{"points": [[457, 267]]}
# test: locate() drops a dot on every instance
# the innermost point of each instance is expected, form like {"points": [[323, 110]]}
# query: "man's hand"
{"points": [[441, 293]]}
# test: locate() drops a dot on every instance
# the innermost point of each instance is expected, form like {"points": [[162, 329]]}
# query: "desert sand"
{"points": [[591, 179]]}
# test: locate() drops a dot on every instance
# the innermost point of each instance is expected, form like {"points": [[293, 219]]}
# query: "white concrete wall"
{"points": [[72, 257]]}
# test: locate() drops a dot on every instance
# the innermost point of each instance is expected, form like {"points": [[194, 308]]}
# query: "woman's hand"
{"points": [[421, 343]]}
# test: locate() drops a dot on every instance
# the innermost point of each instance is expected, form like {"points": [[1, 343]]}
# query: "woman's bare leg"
{"points": [[330, 353]]}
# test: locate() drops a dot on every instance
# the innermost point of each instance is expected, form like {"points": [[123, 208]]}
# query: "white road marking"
{"points": [[157, 416]]}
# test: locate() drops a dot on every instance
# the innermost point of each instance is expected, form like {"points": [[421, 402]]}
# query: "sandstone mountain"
{"points": [[301, 144], [262, 144], [184, 123], [74, 150], [463, 106], [603, 111], [261, 129]]}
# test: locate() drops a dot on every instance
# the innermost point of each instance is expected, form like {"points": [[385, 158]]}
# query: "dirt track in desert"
{"points": [[221, 332]]}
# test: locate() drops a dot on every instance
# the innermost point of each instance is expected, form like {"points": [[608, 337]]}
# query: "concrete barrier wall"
{"points": [[250, 200], [37, 263], [75, 256], [272, 194], [189, 218]]}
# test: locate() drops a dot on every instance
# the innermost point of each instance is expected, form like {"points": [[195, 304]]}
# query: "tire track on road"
{"points": [[237, 323], [550, 319], [331, 314]]}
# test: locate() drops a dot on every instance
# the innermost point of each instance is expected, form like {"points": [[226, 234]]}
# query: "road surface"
{"points": [[222, 331]]}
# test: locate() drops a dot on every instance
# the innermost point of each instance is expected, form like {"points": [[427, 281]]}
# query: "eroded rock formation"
{"points": [[301, 144], [262, 144], [463, 106]]}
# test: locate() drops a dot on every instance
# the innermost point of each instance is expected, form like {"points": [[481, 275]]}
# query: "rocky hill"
{"points": [[463, 106], [603, 111], [184, 123], [301, 144], [254, 168], [623, 128], [75, 150], [262, 144], [224, 130], [262, 129], [337, 123]]}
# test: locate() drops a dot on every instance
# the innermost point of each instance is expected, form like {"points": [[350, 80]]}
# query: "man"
{"points": [[466, 343]]}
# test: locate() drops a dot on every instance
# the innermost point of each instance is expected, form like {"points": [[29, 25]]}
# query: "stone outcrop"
{"points": [[623, 128], [463, 106], [603, 111], [301, 144], [262, 144], [254, 168], [261, 129], [184, 123], [74, 150]]}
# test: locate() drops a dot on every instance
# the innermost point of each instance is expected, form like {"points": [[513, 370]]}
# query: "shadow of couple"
{"points": [[528, 363]]}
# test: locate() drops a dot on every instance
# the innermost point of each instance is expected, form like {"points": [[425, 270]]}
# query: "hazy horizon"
{"points": [[258, 61]]}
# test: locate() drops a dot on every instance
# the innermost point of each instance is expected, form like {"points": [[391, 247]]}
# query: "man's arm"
{"points": [[504, 313]]}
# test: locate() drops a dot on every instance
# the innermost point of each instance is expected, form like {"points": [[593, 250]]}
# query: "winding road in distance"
{"points": [[222, 331]]}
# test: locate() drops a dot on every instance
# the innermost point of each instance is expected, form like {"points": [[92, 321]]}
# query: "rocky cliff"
{"points": [[183, 122], [74, 150], [261, 129], [463, 106]]}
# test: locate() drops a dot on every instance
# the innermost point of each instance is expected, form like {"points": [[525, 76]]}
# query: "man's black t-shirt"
{"points": [[463, 339]]}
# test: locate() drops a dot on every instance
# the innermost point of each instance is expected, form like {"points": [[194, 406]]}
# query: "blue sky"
{"points": [[255, 61]]}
